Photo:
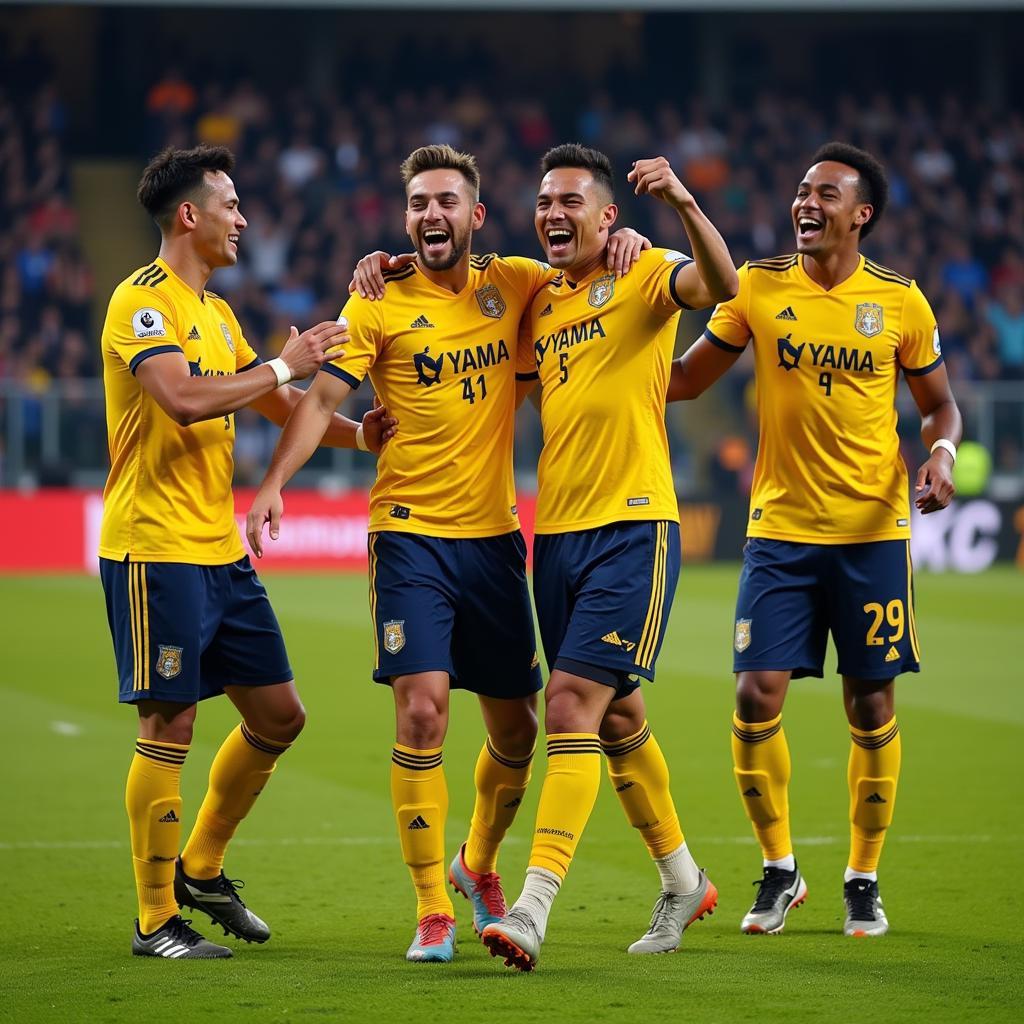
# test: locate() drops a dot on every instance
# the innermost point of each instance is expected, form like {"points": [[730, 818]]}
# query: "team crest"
{"points": [[227, 337], [394, 635], [869, 319], [168, 661], [491, 302], [601, 291], [741, 640]]}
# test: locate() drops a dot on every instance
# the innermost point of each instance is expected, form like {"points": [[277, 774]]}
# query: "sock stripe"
{"points": [[264, 745], [417, 762], [592, 746], [508, 762], [622, 747], [876, 742], [755, 736], [160, 752]]}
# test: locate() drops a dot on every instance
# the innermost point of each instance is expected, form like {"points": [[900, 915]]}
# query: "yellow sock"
{"points": [[419, 795], [639, 773], [239, 772], [500, 784], [567, 799], [152, 798], [760, 757], [872, 775]]}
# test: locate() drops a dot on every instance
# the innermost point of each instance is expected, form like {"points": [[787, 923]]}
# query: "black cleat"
{"points": [[218, 898], [177, 941], [778, 893]]}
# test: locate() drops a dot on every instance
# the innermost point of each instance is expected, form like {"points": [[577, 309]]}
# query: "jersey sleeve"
{"points": [[365, 325], [529, 275], [657, 270], [246, 357], [728, 328], [920, 350], [141, 322], [526, 359]]}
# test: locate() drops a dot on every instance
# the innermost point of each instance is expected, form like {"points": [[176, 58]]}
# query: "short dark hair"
{"points": [[873, 186], [576, 155], [176, 174], [442, 158]]}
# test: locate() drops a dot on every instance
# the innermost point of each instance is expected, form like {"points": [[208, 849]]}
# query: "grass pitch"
{"points": [[323, 864]]}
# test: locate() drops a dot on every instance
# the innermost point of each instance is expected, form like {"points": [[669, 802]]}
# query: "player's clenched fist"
{"points": [[268, 507], [305, 353], [655, 177]]}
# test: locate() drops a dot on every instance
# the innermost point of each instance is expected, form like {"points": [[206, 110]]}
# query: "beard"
{"points": [[459, 245]]}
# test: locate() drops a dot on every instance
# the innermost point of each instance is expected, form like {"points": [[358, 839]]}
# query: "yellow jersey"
{"points": [[446, 366], [603, 348], [168, 494], [827, 365]]}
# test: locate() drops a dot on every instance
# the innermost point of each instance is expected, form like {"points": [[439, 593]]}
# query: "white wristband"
{"points": [[281, 370], [360, 439], [944, 443]]}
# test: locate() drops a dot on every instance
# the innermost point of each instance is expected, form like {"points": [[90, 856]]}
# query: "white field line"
{"points": [[120, 844], [66, 728]]}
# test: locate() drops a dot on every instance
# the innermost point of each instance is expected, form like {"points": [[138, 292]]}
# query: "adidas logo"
{"points": [[514, 803], [421, 321], [170, 817], [893, 655], [615, 640], [193, 335], [546, 311], [624, 786], [753, 791], [876, 798], [418, 822], [786, 314]]}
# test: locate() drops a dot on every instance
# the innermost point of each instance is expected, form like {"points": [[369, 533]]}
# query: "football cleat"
{"points": [[516, 939], [218, 898], [482, 890], [435, 940], [177, 941], [673, 914], [864, 914], [778, 893]]}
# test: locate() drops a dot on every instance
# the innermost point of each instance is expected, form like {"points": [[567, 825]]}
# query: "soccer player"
{"points": [[606, 557], [448, 591], [188, 616], [829, 520]]}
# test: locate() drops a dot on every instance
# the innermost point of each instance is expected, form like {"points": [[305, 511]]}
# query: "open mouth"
{"points": [[435, 239], [809, 228], [559, 240], [233, 239]]}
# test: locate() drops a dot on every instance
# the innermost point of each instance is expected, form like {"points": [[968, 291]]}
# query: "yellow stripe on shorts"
{"points": [[911, 617], [373, 598], [145, 625], [656, 605]]}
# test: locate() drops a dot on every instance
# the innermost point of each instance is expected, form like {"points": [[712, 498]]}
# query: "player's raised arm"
{"points": [[301, 436], [712, 276], [188, 399]]}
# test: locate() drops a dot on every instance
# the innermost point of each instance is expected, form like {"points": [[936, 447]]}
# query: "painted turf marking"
{"points": [[66, 728], [119, 844]]}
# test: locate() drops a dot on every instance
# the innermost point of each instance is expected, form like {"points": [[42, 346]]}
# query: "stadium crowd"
{"points": [[318, 178]]}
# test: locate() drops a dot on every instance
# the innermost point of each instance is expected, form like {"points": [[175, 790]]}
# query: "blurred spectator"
{"points": [[1006, 315]]}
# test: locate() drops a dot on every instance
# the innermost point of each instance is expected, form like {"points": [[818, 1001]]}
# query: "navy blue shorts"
{"points": [[792, 595], [442, 604], [603, 599], [183, 632]]}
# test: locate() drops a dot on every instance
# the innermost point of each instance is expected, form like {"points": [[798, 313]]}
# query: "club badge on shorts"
{"points": [[168, 661], [741, 639], [394, 635]]}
